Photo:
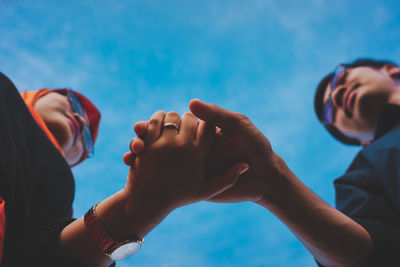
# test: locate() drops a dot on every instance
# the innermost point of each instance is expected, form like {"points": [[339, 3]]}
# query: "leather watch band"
{"points": [[106, 243]]}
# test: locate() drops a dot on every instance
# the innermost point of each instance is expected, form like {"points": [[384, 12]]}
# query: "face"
{"points": [[66, 125], [358, 99]]}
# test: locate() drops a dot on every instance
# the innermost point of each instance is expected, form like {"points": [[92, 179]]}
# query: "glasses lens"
{"points": [[338, 73], [75, 103], [87, 140], [87, 135], [328, 113]]}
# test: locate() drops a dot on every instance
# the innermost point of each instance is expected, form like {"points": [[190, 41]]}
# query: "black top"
{"points": [[369, 192], [36, 184]]}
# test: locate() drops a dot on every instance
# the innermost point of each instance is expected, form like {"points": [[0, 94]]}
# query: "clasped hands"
{"points": [[222, 157]]}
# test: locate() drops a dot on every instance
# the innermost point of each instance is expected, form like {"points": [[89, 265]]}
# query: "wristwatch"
{"points": [[116, 250]]}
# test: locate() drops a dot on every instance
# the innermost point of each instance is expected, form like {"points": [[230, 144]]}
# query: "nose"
{"points": [[337, 96], [81, 121]]}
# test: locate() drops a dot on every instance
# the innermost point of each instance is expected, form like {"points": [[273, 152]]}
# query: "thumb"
{"points": [[217, 184], [223, 118]]}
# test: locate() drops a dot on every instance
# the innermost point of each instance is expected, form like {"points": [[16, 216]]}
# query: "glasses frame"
{"points": [[87, 139], [328, 108]]}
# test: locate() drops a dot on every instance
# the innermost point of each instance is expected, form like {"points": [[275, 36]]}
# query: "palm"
{"points": [[228, 150]]}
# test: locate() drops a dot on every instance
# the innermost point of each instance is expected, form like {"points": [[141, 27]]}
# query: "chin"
{"points": [[370, 107], [72, 162], [73, 154]]}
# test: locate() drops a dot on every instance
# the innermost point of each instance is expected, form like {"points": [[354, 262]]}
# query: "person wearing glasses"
{"points": [[46, 132], [43, 134], [62, 114], [359, 104]]}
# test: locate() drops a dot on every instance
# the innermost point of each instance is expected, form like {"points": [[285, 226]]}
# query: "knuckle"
{"points": [[173, 114], [184, 147], [236, 121], [241, 120], [213, 105], [189, 114], [239, 117], [177, 149], [181, 145], [159, 114], [154, 122]]}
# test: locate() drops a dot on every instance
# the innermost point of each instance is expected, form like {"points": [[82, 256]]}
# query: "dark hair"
{"points": [[321, 88]]}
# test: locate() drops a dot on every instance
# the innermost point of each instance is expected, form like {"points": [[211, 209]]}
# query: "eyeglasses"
{"points": [[329, 113], [76, 106]]}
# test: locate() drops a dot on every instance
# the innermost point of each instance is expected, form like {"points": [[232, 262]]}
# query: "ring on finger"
{"points": [[171, 125]]}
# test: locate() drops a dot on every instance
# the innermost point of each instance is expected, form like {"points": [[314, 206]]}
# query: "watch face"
{"points": [[125, 251]]}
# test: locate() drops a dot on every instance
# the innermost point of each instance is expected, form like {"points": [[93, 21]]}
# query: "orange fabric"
{"points": [[2, 226], [30, 98]]}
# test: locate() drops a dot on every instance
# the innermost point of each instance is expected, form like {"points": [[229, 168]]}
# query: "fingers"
{"points": [[173, 119], [154, 127], [225, 119], [140, 128], [188, 127], [136, 145], [219, 183], [129, 158]]}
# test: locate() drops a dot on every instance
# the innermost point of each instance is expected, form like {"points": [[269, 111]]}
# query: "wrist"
{"points": [[279, 181], [111, 212], [123, 217], [115, 249], [140, 212], [146, 201]]}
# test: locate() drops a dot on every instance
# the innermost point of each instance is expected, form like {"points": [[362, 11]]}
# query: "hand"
{"points": [[270, 183], [169, 173], [137, 144], [237, 140]]}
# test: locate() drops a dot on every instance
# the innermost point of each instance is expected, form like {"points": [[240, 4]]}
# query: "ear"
{"points": [[391, 70]]}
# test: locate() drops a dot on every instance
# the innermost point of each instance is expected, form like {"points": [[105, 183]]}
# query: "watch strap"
{"points": [[106, 243]]}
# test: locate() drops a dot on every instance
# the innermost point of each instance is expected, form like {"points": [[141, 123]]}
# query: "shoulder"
{"points": [[379, 155], [374, 173], [8, 92], [376, 164], [6, 83], [390, 140]]}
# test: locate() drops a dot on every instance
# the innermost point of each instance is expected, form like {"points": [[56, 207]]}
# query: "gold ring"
{"points": [[171, 125]]}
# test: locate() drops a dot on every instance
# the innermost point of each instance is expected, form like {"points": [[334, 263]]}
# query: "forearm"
{"points": [[333, 238], [119, 218]]}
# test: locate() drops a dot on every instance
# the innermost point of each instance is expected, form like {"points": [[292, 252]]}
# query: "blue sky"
{"points": [[261, 58]]}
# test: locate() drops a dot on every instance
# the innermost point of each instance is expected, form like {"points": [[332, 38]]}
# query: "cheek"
{"points": [[371, 103], [60, 128]]}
